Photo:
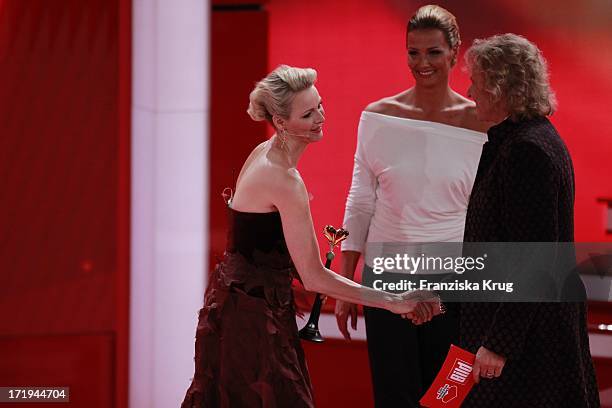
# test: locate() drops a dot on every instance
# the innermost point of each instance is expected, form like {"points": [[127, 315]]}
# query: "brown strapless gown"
{"points": [[247, 350]]}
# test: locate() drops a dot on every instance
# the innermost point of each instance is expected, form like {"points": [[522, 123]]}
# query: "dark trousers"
{"points": [[404, 358]]}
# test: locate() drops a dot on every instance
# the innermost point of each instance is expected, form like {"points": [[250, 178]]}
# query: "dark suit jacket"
{"points": [[524, 191]]}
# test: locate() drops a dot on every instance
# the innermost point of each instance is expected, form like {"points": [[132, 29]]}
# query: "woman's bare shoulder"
{"points": [[281, 185], [382, 106], [273, 174], [264, 177], [397, 105]]}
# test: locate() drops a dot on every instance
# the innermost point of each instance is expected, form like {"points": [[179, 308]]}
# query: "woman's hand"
{"points": [[343, 311], [420, 306]]}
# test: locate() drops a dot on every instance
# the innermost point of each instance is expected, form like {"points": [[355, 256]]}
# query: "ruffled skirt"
{"points": [[247, 351]]}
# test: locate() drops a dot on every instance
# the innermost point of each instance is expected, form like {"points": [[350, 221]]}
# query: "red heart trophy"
{"points": [[310, 332]]}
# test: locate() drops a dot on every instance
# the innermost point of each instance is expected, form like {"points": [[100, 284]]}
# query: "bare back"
{"points": [[268, 183], [263, 177]]}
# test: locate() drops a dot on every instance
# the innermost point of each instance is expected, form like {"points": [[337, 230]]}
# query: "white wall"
{"points": [[169, 195]]}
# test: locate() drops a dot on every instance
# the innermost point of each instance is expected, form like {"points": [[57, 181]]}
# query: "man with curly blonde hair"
{"points": [[527, 354]]}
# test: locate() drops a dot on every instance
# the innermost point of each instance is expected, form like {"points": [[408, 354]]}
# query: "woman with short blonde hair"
{"points": [[247, 349]]}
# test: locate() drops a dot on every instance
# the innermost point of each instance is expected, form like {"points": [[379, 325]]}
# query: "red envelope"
{"points": [[453, 382]]}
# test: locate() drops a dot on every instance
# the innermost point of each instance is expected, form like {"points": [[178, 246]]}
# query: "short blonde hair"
{"points": [[515, 72], [273, 94]]}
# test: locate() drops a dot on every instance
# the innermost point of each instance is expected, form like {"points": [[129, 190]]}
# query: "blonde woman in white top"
{"points": [[416, 159]]}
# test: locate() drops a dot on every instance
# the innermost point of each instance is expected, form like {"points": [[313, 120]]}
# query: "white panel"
{"points": [[179, 247], [142, 259], [181, 50], [169, 196], [144, 55], [180, 171]]}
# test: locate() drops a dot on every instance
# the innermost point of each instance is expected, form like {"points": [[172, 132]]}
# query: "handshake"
{"points": [[419, 306]]}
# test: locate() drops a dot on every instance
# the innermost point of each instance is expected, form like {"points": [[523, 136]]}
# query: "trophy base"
{"points": [[311, 334]]}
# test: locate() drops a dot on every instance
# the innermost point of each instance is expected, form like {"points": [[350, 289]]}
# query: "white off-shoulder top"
{"points": [[412, 181]]}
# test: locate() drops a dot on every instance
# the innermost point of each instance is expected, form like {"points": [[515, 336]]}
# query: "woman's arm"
{"points": [[291, 199], [349, 263], [360, 203], [359, 208], [344, 310]]}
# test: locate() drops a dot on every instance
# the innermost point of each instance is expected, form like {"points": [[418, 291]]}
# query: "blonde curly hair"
{"points": [[515, 72], [273, 94]]}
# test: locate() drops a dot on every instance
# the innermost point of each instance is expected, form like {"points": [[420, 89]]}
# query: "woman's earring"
{"points": [[283, 137]]}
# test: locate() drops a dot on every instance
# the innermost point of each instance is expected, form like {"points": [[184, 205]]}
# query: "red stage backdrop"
{"points": [[358, 49], [239, 39], [64, 210]]}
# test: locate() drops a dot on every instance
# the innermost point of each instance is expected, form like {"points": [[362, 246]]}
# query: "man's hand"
{"points": [[343, 311], [420, 306], [487, 365]]}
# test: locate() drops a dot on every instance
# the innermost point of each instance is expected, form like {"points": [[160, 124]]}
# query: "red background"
{"points": [[64, 203], [357, 47], [64, 156]]}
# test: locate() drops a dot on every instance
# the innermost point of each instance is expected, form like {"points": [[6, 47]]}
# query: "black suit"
{"points": [[524, 192]]}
